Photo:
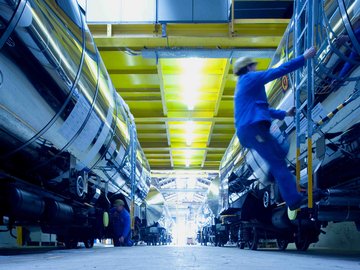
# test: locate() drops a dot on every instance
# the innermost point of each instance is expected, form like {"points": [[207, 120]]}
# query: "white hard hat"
{"points": [[242, 62]]}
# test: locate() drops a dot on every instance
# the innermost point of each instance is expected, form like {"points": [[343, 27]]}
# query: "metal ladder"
{"points": [[304, 12], [133, 149]]}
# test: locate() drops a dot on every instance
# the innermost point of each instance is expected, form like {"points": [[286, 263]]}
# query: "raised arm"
{"points": [[290, 66], [277, 114]]}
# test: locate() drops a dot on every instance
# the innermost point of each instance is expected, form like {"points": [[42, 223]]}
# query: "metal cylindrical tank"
{"points": [[23, 204], [336, 18], [59, 112], [58, 213], [155, 204]]}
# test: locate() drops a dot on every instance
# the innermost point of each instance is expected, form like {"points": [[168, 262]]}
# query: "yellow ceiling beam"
{"points": [[184, 118], [205, 97], [217, 105], [222, 86], [262, 21], [187, 115], [266, 27], [135, 80], [152, 87], [232, 42], [121, 90], [118, 59], [173, 66], [184, 41]]}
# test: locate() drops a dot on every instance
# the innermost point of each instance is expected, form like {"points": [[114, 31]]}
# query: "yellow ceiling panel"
{"points": [[191, 86], [194, 145], [135, 80], [187, 158], [190, 132], [230, 84], [164, 95], [115, 60], [175, 96], [140, 108], [190, 114], [209, 66], [192, 154], [184, 124], [199, 105], [205, 81]]}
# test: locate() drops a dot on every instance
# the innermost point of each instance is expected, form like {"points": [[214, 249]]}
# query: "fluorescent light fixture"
{"points": [[191, 77]]}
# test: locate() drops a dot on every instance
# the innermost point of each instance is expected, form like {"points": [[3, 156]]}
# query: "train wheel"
{"points": [[282, 244], [253, 243], [266, 199], [302, 243], [89, 243], [78, 187]]}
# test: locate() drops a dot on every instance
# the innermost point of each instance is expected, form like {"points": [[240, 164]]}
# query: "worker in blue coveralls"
{"points": [[120, 219], [253, 119]]}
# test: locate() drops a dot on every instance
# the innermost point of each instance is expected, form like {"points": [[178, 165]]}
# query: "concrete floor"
{"points": [[171, 257]]}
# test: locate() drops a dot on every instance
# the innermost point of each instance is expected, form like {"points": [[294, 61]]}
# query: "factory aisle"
{"points": [[170, 257]]}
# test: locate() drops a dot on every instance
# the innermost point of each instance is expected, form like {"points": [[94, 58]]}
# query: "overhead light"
{"points": [[189, 140], [188, 155], [189, 132], [190, 90], [191, 77]]}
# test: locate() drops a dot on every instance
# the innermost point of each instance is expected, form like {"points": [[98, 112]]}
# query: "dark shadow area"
{"points": [[27, 250]]}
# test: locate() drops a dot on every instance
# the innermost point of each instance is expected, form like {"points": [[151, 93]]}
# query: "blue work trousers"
{"points": [[257, 137]]}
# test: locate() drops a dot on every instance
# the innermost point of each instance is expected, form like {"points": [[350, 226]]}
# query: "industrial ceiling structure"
{"points": [[176, 77]]}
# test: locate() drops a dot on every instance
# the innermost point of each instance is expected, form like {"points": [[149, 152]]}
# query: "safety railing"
{"points": [[304, 80]]}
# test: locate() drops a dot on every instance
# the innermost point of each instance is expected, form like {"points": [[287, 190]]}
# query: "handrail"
{"points": [[300, 8]]}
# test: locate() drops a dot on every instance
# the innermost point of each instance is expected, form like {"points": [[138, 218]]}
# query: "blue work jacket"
{"points": [[251, 105], [121, 222]]}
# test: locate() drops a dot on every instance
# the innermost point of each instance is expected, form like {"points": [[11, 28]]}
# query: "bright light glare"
{"points": [[191, 182], [189, 132], [214, 189], [188, 155], [191, 78]]}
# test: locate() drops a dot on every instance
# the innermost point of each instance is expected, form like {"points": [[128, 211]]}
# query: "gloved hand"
{"points": [[291, 112]]}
